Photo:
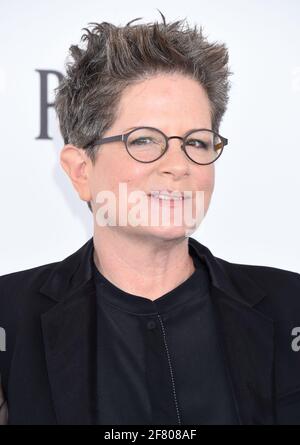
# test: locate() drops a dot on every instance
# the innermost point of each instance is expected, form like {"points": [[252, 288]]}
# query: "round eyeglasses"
{"points": [[148, 144]]}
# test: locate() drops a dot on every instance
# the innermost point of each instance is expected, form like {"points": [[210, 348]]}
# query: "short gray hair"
{"points": [[114, 57]]}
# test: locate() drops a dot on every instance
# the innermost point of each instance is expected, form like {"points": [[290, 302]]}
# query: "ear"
{"points": [[77, 164]]}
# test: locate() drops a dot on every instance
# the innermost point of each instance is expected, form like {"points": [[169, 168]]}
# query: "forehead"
{"points": [[163, 98]]}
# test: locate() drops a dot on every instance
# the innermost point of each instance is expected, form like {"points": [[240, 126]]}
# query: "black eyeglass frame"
{"points": [[124, 138]]}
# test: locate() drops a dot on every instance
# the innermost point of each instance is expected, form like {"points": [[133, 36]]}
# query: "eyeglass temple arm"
{"points": [[225, 141], [105, 140]]}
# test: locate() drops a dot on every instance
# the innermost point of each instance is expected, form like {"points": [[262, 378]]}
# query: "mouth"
{"points": [[167, 195]]}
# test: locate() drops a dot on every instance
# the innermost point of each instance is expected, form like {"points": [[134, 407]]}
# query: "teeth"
{"points": [[166, 196], [155, 194]]}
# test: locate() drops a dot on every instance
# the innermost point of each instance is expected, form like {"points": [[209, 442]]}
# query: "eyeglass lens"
{"points": [[147, 145]]}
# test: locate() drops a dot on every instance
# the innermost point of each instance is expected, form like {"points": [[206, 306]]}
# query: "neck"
{"points": [[147, 267]]}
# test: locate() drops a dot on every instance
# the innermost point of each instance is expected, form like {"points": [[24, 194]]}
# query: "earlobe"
{"points": [[74, 163]]}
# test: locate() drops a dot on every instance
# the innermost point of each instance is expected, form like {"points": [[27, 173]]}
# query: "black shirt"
{"points": [[160, 362]]}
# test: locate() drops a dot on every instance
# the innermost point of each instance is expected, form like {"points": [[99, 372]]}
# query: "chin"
{"points": [[168, 232]]}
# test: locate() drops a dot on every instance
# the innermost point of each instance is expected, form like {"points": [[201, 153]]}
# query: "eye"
{"points": [[141, 141], [197, 143]]}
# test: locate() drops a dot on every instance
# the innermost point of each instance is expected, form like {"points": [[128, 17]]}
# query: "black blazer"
{"points": [[48, 314]]}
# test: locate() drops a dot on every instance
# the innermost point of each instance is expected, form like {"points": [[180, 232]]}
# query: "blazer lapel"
{"points": [[248, 348], [247, 338], [69, 332]]}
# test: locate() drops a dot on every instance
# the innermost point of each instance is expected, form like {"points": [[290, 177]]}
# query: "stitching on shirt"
{"points": [[171, 370]]}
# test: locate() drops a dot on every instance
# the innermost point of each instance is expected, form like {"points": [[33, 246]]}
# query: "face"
{"points": [[174, 104]]}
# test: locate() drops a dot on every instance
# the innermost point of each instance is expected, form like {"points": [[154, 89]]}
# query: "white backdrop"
{"points": [[254, 217]]}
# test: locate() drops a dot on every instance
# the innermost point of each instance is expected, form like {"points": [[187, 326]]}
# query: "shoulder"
{"points": [[21, 305], [19, 294], [264, 275], [15, 284], [280, 286], [26, 274], [255, 284]]}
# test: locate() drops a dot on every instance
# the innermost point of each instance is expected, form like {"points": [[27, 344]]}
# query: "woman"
{"points": [[143, 325]]}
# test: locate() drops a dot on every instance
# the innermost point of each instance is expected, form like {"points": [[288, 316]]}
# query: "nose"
{"points": [[174, 161], [176, 137]]}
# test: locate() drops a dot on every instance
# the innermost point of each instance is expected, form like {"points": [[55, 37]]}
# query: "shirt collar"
{"points": [[195, 287]]}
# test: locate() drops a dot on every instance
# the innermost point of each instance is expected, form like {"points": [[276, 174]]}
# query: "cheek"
{"points": [[205, 183], [109, 173], [206, 178], [133, 174]]}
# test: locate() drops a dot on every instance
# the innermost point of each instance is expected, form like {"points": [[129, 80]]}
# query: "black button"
{"points": [[151, 324]]}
